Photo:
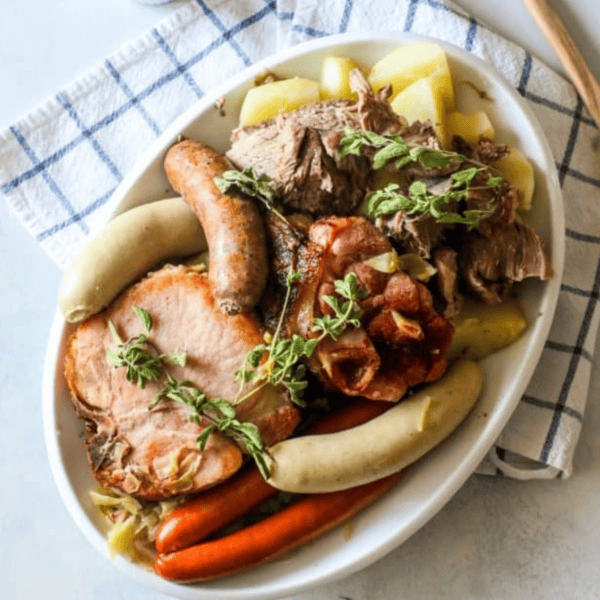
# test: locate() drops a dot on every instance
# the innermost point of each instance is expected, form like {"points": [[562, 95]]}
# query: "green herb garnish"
{"points": [[420, 201], [219, 413], [251, 184], [142, 364], [282, 355], [395, 148]]}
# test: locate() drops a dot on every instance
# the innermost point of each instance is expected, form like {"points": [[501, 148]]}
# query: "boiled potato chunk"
{"points": [[335, 78], [423, 101], [482, 329], [518, 171], [271, 99], [409, 63], [471, 127]]}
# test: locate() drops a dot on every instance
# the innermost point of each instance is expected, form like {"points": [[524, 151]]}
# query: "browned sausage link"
{"points": [[232, 223]]}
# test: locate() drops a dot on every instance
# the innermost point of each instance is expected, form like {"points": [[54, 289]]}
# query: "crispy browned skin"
{"points": [[153, 454], [232, 223]]}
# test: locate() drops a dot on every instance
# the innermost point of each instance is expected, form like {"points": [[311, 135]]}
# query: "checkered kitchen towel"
{"points": [[60, 164]]}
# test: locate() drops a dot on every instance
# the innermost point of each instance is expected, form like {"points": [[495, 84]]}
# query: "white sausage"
{"points": [[382, 446], [127, 248]]}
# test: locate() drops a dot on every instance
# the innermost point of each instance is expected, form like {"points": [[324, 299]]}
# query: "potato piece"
{"points": [[519, 172], [271, 99], [411, 62], [471, 127], [482, 329], [335, 78], [423, 101]]}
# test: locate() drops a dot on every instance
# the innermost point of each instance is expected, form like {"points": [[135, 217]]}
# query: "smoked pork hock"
{"points": [[401, 341]]}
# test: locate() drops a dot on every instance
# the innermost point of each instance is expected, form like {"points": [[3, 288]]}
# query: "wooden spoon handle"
{"points": [[568, 53]]}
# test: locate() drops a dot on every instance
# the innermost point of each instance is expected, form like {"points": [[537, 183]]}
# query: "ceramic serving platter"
{"points": [[428, 484]]}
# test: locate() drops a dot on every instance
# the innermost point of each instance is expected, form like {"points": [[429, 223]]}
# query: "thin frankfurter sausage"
{"points": [[213, 509], [233, 226], [295, 525]]}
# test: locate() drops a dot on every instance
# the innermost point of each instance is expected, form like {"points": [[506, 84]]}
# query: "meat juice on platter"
{"points": [[353, 242]]}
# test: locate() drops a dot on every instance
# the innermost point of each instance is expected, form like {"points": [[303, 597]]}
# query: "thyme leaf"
{"points": [[250, 183], [137, 355], [279, 361], [394, 147], [220, 415], [420, 201]]}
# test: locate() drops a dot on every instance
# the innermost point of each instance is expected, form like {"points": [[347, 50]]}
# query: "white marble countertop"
{"points": [[497, 539]]}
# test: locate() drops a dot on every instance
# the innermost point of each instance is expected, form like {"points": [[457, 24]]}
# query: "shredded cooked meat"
{"points": [[299, 151], [445, 261], [492, 262]]}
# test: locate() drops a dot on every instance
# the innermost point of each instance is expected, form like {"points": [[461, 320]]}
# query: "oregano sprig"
{"points": [[278, 361], [345, 312], [142, 364], [280, 366], [420, 200], [395, 148], [252, 184], [220, 415]]}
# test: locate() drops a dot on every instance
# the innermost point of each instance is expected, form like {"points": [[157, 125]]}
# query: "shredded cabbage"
{"points": [[132, 524]]}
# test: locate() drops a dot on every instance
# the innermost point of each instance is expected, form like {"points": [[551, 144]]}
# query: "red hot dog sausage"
{"points": [[295, 525]]}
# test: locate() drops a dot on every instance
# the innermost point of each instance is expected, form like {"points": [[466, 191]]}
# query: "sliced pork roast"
{"points": [[153, 454], [402, 340]]}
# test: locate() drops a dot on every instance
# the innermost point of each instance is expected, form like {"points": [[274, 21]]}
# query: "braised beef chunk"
{"points": [[373, 110], [445, 262], [491, 263], [485, 151], [498, 203], [299, 151], [417, 234]]}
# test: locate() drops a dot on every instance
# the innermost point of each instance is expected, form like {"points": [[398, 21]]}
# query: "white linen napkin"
{"points": [[61, 162]]}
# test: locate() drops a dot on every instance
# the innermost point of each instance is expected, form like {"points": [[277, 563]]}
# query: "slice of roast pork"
{"points": [[153, 454]]}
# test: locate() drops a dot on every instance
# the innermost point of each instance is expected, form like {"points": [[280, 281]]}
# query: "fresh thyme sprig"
{"points": [[394, 147], [143, 365], [278, 362], [251, 184], [219, 413], [420, 201], [345, 313]]}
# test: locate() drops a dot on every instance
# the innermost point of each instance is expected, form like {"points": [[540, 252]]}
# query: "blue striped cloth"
{"points": [[60, 164]]}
